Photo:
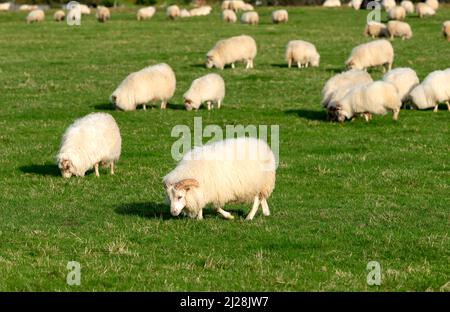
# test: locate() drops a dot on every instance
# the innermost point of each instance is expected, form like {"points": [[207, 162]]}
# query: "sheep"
{"points": [[397, 13], [173, 11], [152, 83], [377, 97], [355, 4], [231, 50], [5, 6], [250, 18], [446, 30], [279, 16], [247, 7], [404, 79], [376, 29], [434, 4], [388, 4], [399, 29], [229, 16], [184, 13], [433, 90], [59, 16], [28, 7], [35, 16], [424, 10], [375, 53], [85, 10], [236, 5], [303, 53], [331, 3], [225, 5], [74, 14], [201, 11], [408, 6], [209, 88], [234, 170], [89, 141], [145, 13], [102, 14]]}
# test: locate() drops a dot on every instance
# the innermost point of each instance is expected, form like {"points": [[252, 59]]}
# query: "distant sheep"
{"points": [[408, 6], [446, 30], [247, 7], [184, 13], [173, 11], [87, 143], [388, 4], [145, 13], [229, 16], [302, 53], [434, 89], [153, 83], [35, 16], [397, 13], [331, 3], [209, 88], [377, 97], [424, 10], [28, 7], [434, 4], [201, 11], [355, 4], [376, 30], [399, 29], [279, 16], [74, 14], [404, 79], [5, 6], [225, 5], [59, 16], [375, 53], [250, 18], [235, 170], [85, 10], [102, 14], [231, 50], [236, 5]]}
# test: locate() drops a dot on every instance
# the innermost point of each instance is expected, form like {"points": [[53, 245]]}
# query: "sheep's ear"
{"points": [[186, 184], [65, 164], [113, 99]]}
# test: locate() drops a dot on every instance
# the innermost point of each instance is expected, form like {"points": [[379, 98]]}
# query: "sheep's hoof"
{"points": [[230, 217]]}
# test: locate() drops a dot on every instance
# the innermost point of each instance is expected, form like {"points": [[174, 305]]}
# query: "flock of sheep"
{"points": [[204, 176]]}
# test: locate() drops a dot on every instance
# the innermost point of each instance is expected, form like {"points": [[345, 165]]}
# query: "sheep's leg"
{"points": [[289, 63], [232, 65], [219, 102], [111, 166], [251, 63], [436, 108], [223, 213], [306, 65], [252, 212], [200, 215], [389, 66], [163, 104], [144, 107], [299, 65], [395, 113], [96, 170], [366, 116], [209, 105], [265, 207], [448, 104]]}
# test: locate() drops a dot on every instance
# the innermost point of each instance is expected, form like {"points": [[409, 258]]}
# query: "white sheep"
{"points": [[236, 5], [399, 29], [434, 89], [247, 7], [376, 30], [184, 13], [234, 170], [302, 53], [355, 4], [231, 50], [153, 83], [209, 88], [5, 6], [408, 6], [59, 16], [145, 13], [331, 3], [35, 16], [173, 11], [102, 14], [251, 18], [225, 5], [89, 141], [424, 10], [375, 53], [377, 97], [229, 16], [388, 4], [74, 13], [201, 11], [28, 7], [404, 79], [280, 16], [434, 4], [446, 30], [85, 10], [397, 13]]}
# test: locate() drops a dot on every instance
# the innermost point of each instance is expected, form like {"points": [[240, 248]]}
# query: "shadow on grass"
{"points": [[145, 210], [284, 65], [308, 114], [44, 170], [104, 106]]}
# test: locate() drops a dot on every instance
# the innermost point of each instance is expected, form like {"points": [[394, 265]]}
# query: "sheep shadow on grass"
{"points": [[308, 114], [44, 170], [148, 210], [104, 106]]}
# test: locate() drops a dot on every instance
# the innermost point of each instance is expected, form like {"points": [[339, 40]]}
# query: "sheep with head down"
{"points": [[102, 14], [231, 50], [209, 88], [375, 53], [376, 30], [399, 29], [59, 16], [302, 53], [388, 4], [173, 11], [424, 10], [229, 16], [397, 13], [145, 13], [251, 18], [434, 89], [446, 30], [35, 16], [404, 79], [434, 4], [355, 4], [280, 16], [408, 6]]}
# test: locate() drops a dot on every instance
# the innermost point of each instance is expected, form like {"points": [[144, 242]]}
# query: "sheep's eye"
{"points": [[180, 197]]}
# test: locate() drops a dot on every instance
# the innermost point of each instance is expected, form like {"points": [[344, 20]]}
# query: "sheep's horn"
{"points": [[186, 183]]}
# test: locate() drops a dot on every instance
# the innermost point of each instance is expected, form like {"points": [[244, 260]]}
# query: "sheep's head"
{"points": [[350, 64], [315, 61], [188, 104], [177, 194], [66, 167], [340, 114], [209, 61]]}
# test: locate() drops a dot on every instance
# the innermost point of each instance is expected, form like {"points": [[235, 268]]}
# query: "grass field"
{"points": [[346, 194]]}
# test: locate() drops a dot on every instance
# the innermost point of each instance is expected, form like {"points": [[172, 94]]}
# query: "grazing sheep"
{"points": [[331, 3], [173, 11], [5, 6], [201, 11], [376, 30], [446, 30], [102, 14], [434, 89], [209, 88], [399, 29], [375, 53], [229, 16], [279, 16], [247, 7], [388, 4], [28, 7], [225, 5], [434, 4], [145, 13], [89, 141], [408, 6], [74, 14], [404, 79], [397, 13], [59, 16], [355, 4], [85, 10], [35, 16], [303, 53], [236, 5], [234, 170], [184, 13], [424, 10], [231, 50], [153, 83], [377, 97], [250, 18]]}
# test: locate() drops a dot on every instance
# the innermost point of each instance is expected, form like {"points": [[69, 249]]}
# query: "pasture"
{"points": [[346, 194]]}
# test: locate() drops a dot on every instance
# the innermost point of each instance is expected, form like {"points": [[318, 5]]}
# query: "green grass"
{"points": [[346, 194]]}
